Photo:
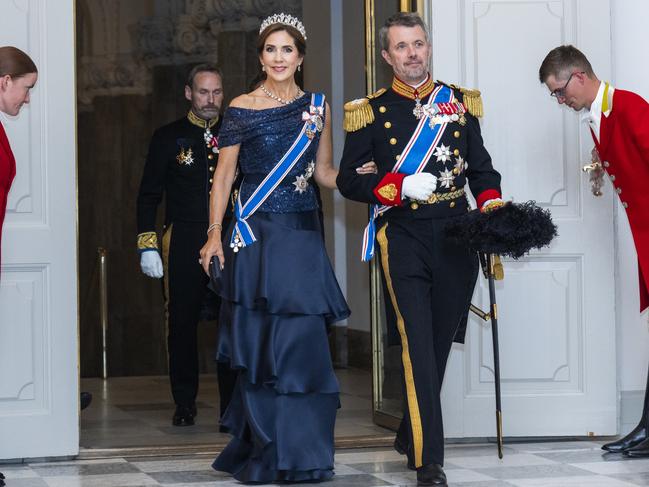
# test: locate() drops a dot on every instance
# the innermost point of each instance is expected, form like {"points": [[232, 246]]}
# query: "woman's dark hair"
{"points": [[15, 63], [300, 44]]}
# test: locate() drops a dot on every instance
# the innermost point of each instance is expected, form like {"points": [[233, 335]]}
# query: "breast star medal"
{"points": [[185, 157]]}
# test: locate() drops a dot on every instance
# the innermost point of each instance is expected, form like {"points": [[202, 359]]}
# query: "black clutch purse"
{"points": [[216, 275]]}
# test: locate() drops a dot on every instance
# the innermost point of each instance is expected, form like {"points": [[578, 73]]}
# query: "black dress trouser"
{"points": [[429, 282], [186, 288]]}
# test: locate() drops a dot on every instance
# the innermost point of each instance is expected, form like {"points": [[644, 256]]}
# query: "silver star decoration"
{"points": [[301, 184], [445, 178], [460, 164], [443, 153]]}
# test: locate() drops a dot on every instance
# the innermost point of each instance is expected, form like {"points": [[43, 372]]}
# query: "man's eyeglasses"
{"points": [[561, 92]]}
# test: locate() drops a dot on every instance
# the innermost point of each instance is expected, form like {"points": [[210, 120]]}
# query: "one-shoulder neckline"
{"points": [[261, 110]]}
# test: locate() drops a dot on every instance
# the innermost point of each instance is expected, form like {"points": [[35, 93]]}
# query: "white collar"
{"points": [[604, 97]]}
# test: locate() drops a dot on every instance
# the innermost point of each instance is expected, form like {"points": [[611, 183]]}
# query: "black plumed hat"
{"points": [[511, 230]]}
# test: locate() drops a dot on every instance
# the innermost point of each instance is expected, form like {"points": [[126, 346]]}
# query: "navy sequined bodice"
{"points": [[265, 136]]}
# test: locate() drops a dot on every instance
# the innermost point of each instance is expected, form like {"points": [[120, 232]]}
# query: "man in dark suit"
{"points": [[425, 153], [181, 161]]}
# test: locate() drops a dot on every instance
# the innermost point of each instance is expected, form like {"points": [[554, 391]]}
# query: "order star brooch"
{"points": [[302, 181]]}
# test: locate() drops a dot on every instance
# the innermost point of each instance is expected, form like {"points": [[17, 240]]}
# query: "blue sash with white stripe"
{"points": [[242, 234], [413, 159]]}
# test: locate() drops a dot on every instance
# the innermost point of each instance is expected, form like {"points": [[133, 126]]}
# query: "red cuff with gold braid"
{"points": [[489, 194], [388, 191]]}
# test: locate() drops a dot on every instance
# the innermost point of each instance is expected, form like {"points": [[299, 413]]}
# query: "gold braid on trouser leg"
{"points": [[411, 392]]}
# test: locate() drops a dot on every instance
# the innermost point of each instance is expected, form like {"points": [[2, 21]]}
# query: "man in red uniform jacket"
{"points": [[619, 124]]}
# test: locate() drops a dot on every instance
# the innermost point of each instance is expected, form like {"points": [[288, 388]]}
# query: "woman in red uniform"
{"points": [[18, 75]]}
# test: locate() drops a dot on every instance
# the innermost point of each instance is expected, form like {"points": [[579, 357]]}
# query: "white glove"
{"points": [[151, 264], [419, 186]]}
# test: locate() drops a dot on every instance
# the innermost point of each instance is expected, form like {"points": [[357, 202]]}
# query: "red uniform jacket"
{"points": [[624, 150], [7, 173]]}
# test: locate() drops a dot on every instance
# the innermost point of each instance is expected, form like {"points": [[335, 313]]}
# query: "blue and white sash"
{"points": [[413, 159], [242, 234]]}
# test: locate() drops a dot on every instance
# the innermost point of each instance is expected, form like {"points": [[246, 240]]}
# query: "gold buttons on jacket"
{"points": [[456, 152], [382, 109], [456, 134], [397, 157], [453, 188], [625, 204], [456, 171], [210, 180], [618, 190], [210, 157], [387, 125], [452, 204], [393, 141], [414, 205], [211, 168]]}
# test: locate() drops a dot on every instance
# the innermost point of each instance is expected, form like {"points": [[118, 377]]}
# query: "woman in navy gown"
{"points": [[278, 288]]}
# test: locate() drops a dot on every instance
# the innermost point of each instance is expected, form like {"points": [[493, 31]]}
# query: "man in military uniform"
{"points": [[619, 125], [180, 164], [425, 153]]}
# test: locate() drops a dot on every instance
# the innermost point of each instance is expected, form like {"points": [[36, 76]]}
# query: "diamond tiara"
{"points": [[285, 19]]}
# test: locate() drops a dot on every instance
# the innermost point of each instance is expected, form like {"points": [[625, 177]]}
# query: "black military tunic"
{"points": [[428, 282], [180, 165]]}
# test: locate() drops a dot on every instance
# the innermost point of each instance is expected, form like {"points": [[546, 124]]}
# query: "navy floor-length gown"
{"points": [[279, 296]]}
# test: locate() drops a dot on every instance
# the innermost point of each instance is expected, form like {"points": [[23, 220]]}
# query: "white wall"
{"points": [[630, 37]]}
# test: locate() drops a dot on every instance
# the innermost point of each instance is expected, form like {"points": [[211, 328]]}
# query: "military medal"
{"points": [[210, 141], [446, 178], [460, 165], [418, 111], [185, 157], [443, 153]]}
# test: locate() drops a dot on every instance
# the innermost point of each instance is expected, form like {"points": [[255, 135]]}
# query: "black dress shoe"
{"points": [[432, 474], [85, 400], [641, 450], [638, 435], [184, 416]]}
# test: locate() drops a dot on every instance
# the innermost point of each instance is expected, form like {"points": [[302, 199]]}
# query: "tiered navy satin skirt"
{"points": [[279, 296]]}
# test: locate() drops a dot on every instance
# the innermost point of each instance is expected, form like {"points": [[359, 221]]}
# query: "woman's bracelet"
{"points": [[213, 226]]}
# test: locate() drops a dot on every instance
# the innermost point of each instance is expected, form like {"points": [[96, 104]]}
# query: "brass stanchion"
{"points": [[103, 307]]}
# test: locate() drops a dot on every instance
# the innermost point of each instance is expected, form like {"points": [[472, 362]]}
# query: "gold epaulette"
{"points": [[472, 99], [359, 113], [147, 240]]}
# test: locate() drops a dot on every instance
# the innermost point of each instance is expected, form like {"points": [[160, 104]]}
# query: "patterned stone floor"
{"points": [[549, 464], [136, 412]]}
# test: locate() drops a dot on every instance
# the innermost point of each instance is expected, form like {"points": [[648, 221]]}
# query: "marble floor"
{"points": [[129, 412], [548, 464]]}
